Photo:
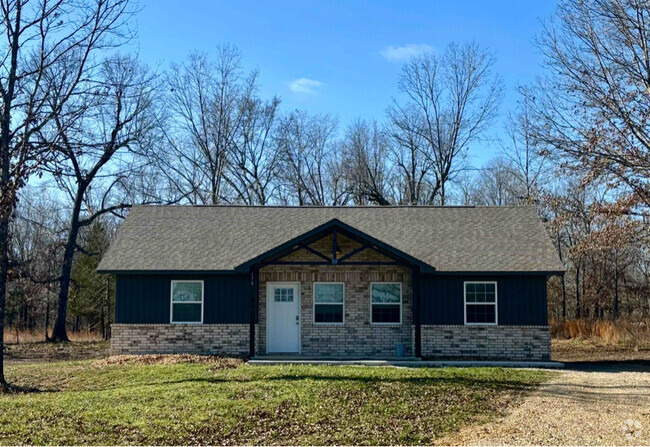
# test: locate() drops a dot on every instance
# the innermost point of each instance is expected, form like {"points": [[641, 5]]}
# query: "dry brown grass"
{"points": [[26, 336], [605, 332], [215, 362]]}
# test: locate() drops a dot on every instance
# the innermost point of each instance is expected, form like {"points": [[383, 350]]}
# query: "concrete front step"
{"points": [[402, 362]]}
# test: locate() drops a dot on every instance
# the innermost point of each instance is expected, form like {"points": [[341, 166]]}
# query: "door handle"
{"points": [[297, 319]]}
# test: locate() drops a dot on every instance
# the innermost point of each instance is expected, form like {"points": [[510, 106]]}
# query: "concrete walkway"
{"points": [[406, 363]]}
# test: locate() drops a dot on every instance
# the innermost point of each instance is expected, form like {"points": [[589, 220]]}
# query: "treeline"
{"points": [[87, 131]]}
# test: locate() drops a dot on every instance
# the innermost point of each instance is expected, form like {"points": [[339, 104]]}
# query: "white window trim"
{"points": [[401, 300], [313, 309], [171, 300], [496, 301]]}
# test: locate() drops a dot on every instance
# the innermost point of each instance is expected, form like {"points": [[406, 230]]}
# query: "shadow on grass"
{"points": [[609, 365], [11, 389], [466, 382]]}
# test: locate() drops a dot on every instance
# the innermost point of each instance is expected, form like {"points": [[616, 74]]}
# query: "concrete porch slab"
{"points": [[404, 362]]}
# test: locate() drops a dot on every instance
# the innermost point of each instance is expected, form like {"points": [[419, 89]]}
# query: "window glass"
{"points": [[480, 303], [386, 293], [186, 291], [284, 294], [187, 301], [328, 303], [386, 302]]}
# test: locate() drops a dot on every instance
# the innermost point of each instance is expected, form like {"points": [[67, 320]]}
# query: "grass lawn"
{"points": [[227, 402]]}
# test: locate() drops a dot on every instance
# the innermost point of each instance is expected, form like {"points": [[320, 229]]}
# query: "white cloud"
{"points": [[304, 85], [403, 53]]}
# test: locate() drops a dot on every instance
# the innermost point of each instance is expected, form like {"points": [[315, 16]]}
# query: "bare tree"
{"points": [[594, 105], [450, 100], [37, 247], [99, 141], [526, 156], [497, 184], [253, 158], [306, 145], [41, 36], [211, 105], [414, 170], [368, 170]]}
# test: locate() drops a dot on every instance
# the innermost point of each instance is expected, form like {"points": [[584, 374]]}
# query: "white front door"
{"points": [[283, 317]]}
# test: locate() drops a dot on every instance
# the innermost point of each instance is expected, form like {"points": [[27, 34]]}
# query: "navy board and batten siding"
{"points": [[521, 299], [145, 298]]}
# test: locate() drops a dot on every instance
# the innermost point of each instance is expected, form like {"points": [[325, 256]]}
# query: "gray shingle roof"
{"points": [[207, 238]]}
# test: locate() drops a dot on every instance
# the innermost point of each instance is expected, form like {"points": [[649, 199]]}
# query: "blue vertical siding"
{"points": [[521, 298], [146, 298]]}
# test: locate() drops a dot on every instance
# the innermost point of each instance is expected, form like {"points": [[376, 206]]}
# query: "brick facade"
{"points": [[487, 342], [221, 339], [357, 337]]}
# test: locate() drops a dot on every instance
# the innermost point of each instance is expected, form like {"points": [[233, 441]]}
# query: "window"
{"points": [[386, 302], [480, 302], [328, 302], [283, 294], [187, 302]]}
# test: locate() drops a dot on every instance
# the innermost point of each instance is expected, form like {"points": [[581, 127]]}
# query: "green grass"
{"points": [[90, 402]]}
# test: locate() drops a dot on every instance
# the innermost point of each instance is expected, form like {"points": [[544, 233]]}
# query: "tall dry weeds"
{"points": [[603, 331]]}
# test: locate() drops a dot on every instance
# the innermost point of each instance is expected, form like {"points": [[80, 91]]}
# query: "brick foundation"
{"points": [[222, 339], [487, 342]]}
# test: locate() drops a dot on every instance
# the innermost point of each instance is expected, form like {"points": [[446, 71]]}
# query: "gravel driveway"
{"points": [[586, 404]]}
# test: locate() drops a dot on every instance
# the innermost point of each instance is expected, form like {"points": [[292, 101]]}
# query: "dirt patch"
{"points": [[215, 362], [48, 352], [577, 350]]}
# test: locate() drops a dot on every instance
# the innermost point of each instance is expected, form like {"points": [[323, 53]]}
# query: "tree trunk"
{"points": [[4, 270], [563, 299], [578, 292], [59, 332], [107, 329], [47, 313], [559, 249], [615, 285]]}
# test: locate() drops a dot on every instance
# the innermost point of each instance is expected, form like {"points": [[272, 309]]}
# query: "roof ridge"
{"points": [[338, 206]]}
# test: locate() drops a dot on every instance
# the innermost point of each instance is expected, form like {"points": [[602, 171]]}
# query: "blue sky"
{"points": [[342, 50]]}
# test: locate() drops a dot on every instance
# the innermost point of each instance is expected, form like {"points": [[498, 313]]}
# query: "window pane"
{"points": [[480, 292], [481, 313], [328, 313], [186, 291], [283, 294], [328, 293], [386, 293], [186, 312], [385, 313]]}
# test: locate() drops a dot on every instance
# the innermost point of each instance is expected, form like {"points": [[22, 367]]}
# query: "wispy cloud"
{"points": [[394, 53], [304, 85]]}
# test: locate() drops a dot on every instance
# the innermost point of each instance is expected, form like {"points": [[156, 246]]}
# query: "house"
{"points": [[364, 282]]}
